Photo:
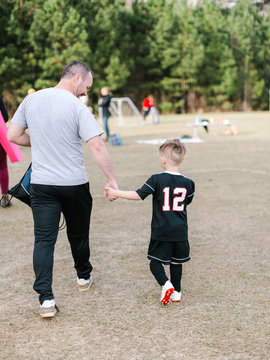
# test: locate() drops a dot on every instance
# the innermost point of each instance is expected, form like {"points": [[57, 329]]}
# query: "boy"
{"points": [[172, 192]]}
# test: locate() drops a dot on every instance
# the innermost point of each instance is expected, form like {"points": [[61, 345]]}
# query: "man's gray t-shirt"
{"points": [[57, 122]]}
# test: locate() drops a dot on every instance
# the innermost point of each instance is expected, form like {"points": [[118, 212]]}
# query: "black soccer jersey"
{"points": [[172, 192]]}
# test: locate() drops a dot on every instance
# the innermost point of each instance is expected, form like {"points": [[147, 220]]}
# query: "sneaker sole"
{"points": [[47, 315], [175, 300], [82, 289], [167, 297], [50, 314]]}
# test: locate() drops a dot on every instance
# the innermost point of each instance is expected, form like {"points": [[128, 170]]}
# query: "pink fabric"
{"points": [[4, 179], [13, 151]]}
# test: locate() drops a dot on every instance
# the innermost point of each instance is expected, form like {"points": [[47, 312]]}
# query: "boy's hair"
{"points": [[173, 150]]}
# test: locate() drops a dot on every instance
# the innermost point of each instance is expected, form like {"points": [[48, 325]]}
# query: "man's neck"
{"points": [[65, 86]]}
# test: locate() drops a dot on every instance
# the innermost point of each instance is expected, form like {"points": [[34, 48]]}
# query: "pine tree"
{"points": [[17, 65], [58, 35], [217, 73], [111, 45], [179, 49], [244, 22]]}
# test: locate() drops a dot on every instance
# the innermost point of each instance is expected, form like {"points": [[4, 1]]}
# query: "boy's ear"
{"points": [[163, 160]]}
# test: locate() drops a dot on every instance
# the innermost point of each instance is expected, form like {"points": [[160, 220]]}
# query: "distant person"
{"points": [[31, 91], [148, 102], [104, 103], [4, 177], [84, 100], [172, 192], [150, 110], [57, 122], [204, 122], [230, 126]]}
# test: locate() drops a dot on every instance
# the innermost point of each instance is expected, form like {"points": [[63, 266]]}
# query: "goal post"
{"points": [[125, 110]]}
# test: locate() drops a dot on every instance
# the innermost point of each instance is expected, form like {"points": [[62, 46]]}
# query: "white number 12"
{"points": [[178, 199]]}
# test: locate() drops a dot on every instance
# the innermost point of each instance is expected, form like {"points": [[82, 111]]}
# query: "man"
{"points": [[57, 121]]}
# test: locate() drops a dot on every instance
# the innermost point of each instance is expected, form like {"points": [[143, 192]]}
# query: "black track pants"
{"points": [[47, 203]]}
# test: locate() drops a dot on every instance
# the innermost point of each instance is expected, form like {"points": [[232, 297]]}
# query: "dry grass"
{"points": [[224, 313]]}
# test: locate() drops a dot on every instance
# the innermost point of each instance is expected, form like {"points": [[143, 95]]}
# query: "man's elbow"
{"points": [[15, 133], [10, 136]]}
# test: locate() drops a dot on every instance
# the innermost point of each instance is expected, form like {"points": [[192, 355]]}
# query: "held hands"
{"points": [[110, 193], [109, 190]]}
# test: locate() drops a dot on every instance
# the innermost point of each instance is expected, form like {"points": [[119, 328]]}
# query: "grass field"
{"points": [[225, 309]]}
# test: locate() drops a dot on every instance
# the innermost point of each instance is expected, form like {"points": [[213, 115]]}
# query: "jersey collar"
{"points": [[172, 173]]}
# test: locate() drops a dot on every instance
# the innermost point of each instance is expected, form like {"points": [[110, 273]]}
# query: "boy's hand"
{"points": [[110, 193], [110, 185]]}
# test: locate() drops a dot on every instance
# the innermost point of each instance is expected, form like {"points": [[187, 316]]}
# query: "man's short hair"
{"points": [[76, 67], [173, 150]]}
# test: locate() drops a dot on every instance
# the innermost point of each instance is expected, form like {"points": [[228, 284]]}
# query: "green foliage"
{"points": [[58, 35], [112, 62], [188, 57]]}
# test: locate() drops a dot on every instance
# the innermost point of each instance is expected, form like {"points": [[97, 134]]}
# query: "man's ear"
{"points": [[77, 77]]}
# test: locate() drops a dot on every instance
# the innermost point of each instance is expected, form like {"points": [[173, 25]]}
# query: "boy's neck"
{"points": [[172, 168]]}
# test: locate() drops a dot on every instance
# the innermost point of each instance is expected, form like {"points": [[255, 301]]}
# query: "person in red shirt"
{"points": [[150, 110], [148, 102]]}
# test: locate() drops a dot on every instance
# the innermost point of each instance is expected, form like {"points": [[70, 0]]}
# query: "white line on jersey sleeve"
{"points": [[149, 186]]}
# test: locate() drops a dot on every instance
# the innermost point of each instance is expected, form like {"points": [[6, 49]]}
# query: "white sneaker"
{"points": [[85, 284], [176, 296], [48, 309], [166, 292]]}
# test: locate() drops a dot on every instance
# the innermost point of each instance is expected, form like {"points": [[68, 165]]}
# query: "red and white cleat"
{"points": [[176, 296], [166, 293]]}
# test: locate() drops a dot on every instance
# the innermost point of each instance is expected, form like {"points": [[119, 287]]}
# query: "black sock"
{"points": [[176, 274], [158, 271]]}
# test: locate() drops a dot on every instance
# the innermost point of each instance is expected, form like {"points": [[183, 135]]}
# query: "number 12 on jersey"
{"points": [[176, 200]]}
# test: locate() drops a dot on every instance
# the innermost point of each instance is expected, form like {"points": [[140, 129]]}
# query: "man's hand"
{"points": [[109, 190], [110, 193]]}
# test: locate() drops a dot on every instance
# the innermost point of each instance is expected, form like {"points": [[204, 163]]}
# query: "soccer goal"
{"points": [[125, 110]]}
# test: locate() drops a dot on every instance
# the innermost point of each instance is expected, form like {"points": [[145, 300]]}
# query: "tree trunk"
{"points": [[183, 107], [245, 85]]}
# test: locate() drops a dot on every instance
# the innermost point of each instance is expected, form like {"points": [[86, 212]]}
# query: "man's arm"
{"points": [[103, 160], [17, 135]]}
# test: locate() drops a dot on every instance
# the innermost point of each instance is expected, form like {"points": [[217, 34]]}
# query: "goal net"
{"points": [[125, 111]]}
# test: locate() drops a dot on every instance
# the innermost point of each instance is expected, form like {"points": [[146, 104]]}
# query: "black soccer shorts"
{"points": [[169, 251]]}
